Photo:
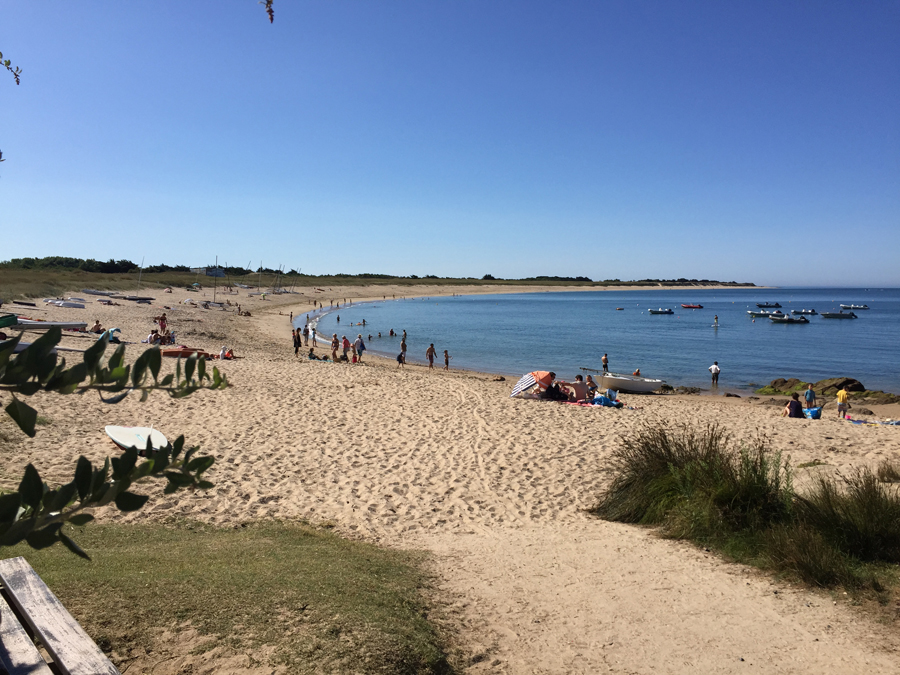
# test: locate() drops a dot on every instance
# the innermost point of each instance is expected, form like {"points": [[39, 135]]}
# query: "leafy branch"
{"points": [[36, 369], [36, 513], [18, 71]]}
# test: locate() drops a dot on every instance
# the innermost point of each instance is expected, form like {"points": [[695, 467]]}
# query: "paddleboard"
{"points": [[136, 437]]}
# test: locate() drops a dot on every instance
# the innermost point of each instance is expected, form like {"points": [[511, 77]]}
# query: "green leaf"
{"points": [[200, 464], [73, 547], [23, 415], [154, 361], [31, 489], [94, 353], [189, 366], [129, 501], [9, 506], [83, 473], [17, 532], [139, 369], [179, 479], [205, 485], [45, 537], [112, 400], [123, 465], [117, 359], [7, 347], [201, 369], [167, 380], [81, 519], [63, 496], [177, 446]]}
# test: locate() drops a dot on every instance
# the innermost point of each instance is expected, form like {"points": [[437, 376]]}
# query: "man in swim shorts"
{"points": [[429, 354], [605, 362]]}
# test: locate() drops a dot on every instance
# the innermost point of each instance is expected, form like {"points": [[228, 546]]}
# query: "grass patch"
{"points": [[324, 603], [740, 500], [809, 465], [888, 472]]}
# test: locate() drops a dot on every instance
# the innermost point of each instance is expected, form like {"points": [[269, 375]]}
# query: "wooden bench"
{"points": [[26, 601]]}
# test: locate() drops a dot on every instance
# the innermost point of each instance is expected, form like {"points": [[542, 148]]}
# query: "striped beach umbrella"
{"points": [[529, 380]]}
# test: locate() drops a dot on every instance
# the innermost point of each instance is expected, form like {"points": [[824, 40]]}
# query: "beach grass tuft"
{"points": [[888, 472], [740, 500], [312, 600]]}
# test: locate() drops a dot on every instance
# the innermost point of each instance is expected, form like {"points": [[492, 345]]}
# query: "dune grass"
{"points": [[325, 604], [703, 487]]}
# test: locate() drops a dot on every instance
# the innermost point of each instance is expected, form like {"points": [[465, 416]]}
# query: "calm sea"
{"points": [[514, 334]]}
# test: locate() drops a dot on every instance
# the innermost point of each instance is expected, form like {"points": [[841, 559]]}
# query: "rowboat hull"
{"points": [[629, 384]]}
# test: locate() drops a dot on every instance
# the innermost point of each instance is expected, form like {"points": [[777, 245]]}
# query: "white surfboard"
{"points": [[136, 437]]}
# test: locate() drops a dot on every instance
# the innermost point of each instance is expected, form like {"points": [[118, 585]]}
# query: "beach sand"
{"points": [[496, 488]]}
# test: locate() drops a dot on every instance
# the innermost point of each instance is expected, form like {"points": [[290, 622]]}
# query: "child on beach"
{"points": [[447, 358]]}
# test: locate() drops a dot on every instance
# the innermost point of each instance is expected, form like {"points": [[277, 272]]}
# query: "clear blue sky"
{"points": [[754, 141]]}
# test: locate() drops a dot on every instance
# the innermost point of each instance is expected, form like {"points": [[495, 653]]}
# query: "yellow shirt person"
{"points": [[842, 402]]}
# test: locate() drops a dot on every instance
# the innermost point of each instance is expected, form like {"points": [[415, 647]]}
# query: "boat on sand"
{"points": [[629, 384]]}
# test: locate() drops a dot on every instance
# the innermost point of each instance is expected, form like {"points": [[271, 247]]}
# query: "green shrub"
{"points": [[861, 520]]}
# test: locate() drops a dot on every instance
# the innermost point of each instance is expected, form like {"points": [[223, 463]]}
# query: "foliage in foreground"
{"points": [[701, 487], [325, 604], [36, 512]]}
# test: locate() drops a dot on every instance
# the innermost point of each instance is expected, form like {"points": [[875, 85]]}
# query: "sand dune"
{"points": [[495, 487]]}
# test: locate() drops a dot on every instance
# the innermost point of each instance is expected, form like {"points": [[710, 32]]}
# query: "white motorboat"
{"points": [[630, 384]]}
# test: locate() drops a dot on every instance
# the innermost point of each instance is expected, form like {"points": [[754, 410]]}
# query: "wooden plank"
{"points": [[18, 654], [73, 651]]}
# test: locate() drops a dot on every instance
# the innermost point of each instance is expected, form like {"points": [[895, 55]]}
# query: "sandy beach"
{"points": [[496, 488]]}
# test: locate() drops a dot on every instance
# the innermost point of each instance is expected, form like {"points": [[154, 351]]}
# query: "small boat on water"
{"points": [[764, 313], [768, 305], [629, 384], [803, 311], [619, 309], [661, 311], [784, 318], [851, 307], [838, 315], [692, 306]]}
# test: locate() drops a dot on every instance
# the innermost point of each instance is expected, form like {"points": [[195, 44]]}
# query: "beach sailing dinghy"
{"points": [[137, 437], [629, 384]]}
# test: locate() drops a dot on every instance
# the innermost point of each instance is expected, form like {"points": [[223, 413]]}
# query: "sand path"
{"points": [[496, 488]]}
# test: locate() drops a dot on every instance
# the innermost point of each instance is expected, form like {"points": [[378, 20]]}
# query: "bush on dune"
{"points": [[703, 487]]}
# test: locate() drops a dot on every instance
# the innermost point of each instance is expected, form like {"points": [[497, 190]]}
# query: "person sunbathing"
{"points": [[96, 328]]}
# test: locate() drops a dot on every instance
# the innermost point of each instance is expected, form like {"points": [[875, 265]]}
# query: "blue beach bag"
{"points": [[812, 413]]}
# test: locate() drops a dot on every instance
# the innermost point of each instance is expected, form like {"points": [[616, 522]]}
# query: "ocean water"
{"points": [[514, 334]]}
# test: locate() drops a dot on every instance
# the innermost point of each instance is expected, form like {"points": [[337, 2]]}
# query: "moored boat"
{"points": [[768, 305], [661, 311], [838, 315], [630, 384], [803, 311], [784, 318], [851, 307], [764, 313], [692, 306]]}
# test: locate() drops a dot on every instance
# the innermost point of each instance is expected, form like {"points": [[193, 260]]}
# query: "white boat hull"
{"points": [[630, 384], [136, 437]]}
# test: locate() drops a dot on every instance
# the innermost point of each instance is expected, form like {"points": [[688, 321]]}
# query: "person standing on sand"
{"points": [[297, 341], [306, 335], [843, 406], [345, 345], [312, 332], [429, 354], [810, 397], [605, 362], [447, 358], [403, 349], [715, 370], [360, 347], [335, 343]]}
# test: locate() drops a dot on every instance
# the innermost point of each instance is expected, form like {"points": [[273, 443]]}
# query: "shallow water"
{"points": [[513, 334]]}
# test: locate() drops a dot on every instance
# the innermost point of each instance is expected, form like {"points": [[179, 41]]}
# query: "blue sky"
{"points": [[729, 140]]}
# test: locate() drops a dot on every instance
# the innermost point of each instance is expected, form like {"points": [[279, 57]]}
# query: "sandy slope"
{"points": [[495, 487]]}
